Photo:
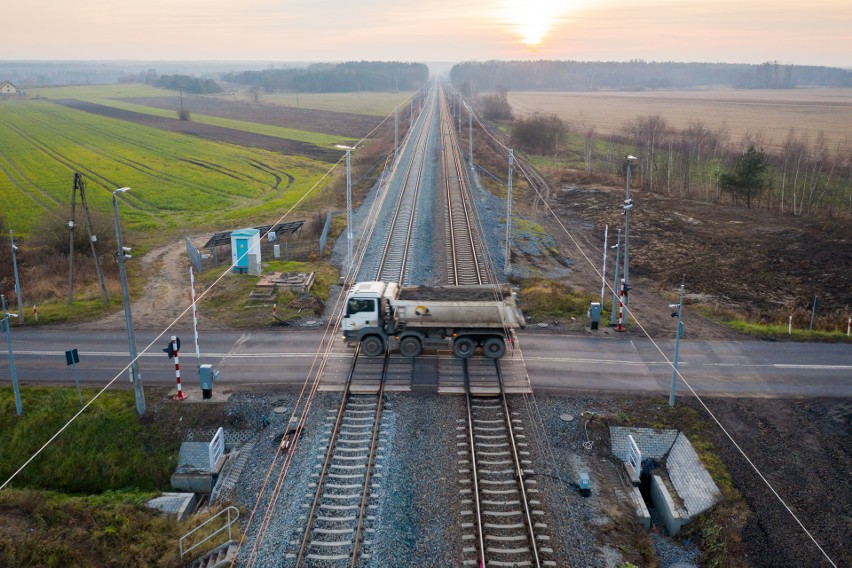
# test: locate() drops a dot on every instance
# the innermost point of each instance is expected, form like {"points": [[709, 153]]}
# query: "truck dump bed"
{"points": [[456, 293], [486, 306]]}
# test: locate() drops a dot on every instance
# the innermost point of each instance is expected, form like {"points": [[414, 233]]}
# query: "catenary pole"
{"points": [[507, 268], [18, 407], [603, 267], [677, 348], [17, 279], [617, 248]]}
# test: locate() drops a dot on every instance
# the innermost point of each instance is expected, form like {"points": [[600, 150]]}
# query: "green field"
{"points": [[107, 95], [177, 180]]}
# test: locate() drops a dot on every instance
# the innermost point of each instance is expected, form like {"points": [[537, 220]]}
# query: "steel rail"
{"points": [[368, 475], [519, 473], [479, 531], [329, 455], [419, 160], [460, 214]]}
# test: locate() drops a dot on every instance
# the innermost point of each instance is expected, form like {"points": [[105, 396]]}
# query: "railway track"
{"points": [[465, 263], [393, 266], [335, 525], [503, 525]]}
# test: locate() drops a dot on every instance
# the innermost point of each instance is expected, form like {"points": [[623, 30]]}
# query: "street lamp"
{"points": [[123, 254], [679, 332], [628, 205]]}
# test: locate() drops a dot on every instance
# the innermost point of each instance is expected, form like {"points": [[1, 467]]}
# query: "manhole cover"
{"points": [[567, 417], [280, 410]]}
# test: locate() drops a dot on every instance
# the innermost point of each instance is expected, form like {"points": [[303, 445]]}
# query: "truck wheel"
{"points": [[410, 347], [372, 346], [463, 347], [494, 347]]}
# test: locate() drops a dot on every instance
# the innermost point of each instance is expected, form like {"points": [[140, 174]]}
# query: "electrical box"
{"points": [[208, 375], [595, 314], [584, 484], [243, 243]]}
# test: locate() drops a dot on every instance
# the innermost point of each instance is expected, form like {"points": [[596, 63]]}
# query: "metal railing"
{"points": [[230, 521]]}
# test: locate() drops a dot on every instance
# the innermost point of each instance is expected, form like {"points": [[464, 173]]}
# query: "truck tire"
{"points": [[494, 347], [372, 346], [463, 347], [410, 346]]}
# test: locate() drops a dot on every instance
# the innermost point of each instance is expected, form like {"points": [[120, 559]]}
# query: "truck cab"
{"points": [[362, 316]]}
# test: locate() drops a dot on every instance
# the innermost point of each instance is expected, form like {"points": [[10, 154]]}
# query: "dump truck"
{"points": [[385, 316]]}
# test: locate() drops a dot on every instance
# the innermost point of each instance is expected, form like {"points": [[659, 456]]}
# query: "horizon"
{"points": [[687, 31]]}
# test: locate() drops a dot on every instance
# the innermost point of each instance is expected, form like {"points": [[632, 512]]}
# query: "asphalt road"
{"points": [[563, 362]]}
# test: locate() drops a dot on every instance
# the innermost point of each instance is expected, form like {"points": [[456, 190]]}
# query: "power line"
{"points": [[669, 362]]}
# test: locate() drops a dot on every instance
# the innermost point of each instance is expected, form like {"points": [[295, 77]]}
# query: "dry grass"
{"points": [[771, 113]]}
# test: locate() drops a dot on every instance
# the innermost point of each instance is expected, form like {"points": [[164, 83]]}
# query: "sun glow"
{"points": [[533, 19]]}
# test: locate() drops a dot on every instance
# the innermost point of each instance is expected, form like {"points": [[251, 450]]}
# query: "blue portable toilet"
{"points": [[243, 243]]}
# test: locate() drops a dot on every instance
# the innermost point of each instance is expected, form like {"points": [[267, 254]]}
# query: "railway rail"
{"points": [[393, 266], [465, 263], [503, 526], [335, 525]]}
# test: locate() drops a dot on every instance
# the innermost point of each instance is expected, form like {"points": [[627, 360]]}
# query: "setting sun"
{"points": [[533, 19]]}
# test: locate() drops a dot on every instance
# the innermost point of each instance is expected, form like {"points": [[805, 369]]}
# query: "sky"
{"points": [[802, 32]]}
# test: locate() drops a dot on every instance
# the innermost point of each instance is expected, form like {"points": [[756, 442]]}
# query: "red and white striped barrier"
{"points": [[620, 326], [180, 394]]}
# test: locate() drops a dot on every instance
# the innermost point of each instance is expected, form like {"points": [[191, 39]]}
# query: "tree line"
{"points": [[337, 77], [473, 76], [806, 177]]}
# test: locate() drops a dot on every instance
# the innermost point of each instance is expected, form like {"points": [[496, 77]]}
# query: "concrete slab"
{"points": [[178, 505]]}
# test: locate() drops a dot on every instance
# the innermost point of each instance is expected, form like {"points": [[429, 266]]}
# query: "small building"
{"points": [[7, 88], [245, 251]]}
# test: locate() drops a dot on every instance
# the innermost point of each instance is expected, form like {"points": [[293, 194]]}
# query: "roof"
{"points": [[224, 237]]}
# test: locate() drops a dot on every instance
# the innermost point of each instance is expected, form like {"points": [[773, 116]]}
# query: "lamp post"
{"points": [[123, 255], [17, 280], [628, 205], [678, 333], [5, 326]]}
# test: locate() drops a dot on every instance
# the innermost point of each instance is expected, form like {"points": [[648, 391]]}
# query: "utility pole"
{"points": [[617, 248], [8, 329], [123, 255], [17, 280], [395, 135], [507, 268], [628, 205], [71, 225], [80, 186], [78, 180], [678, 333]]}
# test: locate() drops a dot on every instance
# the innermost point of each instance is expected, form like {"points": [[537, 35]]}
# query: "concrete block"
{"points": [[641, 509], [193, 482], [664, 503], [691, 479]]}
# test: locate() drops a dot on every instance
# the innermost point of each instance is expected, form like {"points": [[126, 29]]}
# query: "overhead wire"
{"points": [[668, 361], [332, 326]]}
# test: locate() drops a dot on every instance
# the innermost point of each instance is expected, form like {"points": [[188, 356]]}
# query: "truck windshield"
{"points": [[356, 305]]}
